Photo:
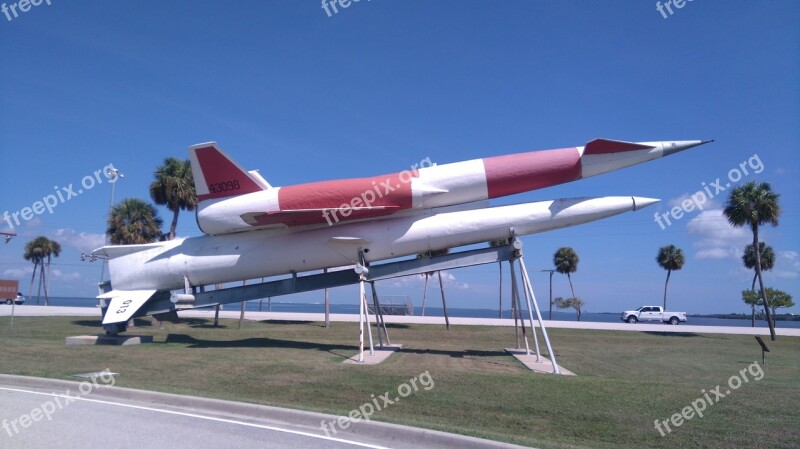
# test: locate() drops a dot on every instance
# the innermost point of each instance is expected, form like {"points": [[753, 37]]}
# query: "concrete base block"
{"points": [[543, 366], [114, 340], [380, 355]]}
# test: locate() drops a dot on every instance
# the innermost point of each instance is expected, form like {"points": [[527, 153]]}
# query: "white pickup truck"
{"points": [[653, 313]]}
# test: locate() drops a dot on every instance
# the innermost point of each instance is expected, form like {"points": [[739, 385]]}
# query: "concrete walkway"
{"points": [[284, 316]]}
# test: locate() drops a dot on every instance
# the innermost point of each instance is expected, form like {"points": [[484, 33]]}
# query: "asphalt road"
{"points": [[37, 413], [94, 423]]}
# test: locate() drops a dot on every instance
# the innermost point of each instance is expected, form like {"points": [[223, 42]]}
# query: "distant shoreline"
{"points": [[747, 316]]}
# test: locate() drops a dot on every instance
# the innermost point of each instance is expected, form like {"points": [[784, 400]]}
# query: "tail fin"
{"points": [[216, 175]]}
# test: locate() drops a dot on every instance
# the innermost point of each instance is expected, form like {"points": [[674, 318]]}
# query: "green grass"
{"points": [[625, 379]]}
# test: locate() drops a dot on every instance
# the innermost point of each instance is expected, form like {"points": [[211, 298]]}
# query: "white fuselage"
{"points": [[249, 255]]}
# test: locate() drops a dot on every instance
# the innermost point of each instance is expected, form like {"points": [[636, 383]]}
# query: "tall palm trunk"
{"points": [[33, 275], [666, 283], [174, 224], [570, 285], [761, 283], [753, 307], [39, 290], [44, 283]]}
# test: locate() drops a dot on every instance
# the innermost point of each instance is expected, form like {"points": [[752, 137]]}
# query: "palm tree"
{"points": [[670, 258], [767, 263], [767, 259], [755, 205], [39, 251], [174, 187], [133, 221], [566, 262]]}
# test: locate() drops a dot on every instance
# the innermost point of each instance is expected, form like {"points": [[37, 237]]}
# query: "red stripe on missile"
{"points": [[605, 146], [517, 173], [387, 194]]}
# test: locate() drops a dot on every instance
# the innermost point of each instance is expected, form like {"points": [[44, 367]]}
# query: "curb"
{"points": [[370, 432]]}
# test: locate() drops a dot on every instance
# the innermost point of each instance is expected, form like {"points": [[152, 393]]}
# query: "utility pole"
{"points": [[113, 175], [551, 292]]}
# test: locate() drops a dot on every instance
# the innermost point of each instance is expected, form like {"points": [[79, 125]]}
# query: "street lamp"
{"points": [[113, 175]]}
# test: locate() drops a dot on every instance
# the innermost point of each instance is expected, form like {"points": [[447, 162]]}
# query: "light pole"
{"points": [[551, 292], [113, 175]]}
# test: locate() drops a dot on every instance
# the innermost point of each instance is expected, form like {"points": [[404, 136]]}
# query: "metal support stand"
{"points": [[514, 313], [360, 319], [379, 315], [444, 302], [525, 288], [527, 284], [515, 298], [363, 311], [368, 324]]}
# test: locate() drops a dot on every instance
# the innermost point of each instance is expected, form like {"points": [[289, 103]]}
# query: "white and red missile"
{"points": [[256, 230], [216, 259], [230, 199]]}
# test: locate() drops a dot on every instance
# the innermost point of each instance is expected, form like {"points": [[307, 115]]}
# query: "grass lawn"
{"points": [[625, 380]]}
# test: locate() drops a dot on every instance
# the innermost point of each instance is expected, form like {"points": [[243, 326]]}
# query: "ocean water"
{"points": [[286, 306]]}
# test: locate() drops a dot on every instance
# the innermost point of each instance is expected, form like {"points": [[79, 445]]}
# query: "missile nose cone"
{"points": [[641, 203], [680, 145]]}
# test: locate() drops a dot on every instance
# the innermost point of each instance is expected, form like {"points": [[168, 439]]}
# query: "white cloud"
{"points": [[712, 253], [678, 202], [787, 266], [790, 255], [82, 241], [716, 238], [18, 272], [58, 274]]}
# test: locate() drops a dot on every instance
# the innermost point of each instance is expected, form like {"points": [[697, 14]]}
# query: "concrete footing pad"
{"points": [[114, 340], [380, 355], [544, 366]]}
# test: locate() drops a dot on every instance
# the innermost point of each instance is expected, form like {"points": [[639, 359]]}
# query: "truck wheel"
{"points": [[8, 301], [674, 321], [632, 319]]}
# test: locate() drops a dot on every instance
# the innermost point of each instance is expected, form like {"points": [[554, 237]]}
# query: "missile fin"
{"points": [[605, 146], [124, 304]]}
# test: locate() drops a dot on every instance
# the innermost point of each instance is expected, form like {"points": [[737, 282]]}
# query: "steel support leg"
{"points": [[367, 323], [530, 316], [515, 291], [527, 281], [381, 320]]}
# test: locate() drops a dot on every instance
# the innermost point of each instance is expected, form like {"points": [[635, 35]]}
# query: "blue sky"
{"points": [[381, 85]]}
